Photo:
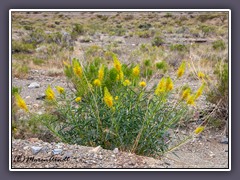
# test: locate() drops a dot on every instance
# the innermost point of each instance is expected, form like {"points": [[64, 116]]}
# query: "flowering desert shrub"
{"points": [[113, 106]]}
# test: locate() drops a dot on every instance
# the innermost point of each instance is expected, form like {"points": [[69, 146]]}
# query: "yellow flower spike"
{"points": [[186, 94], [108, 99], [116, 98], [199, 91], [97, 82], [199, 129], [14, 130], [181, 69], [126, 83], [77, 69], [136, 71], [169, 84], [161, 88], [78, 99], [20, 102], [201, 75], [117, 64], [101, 73], [49, 94], [191, 100], [60, 89], [120, 76], [142, 84]]}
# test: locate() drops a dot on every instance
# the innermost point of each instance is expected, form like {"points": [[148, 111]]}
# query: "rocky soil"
{"points": [[201, 152]]}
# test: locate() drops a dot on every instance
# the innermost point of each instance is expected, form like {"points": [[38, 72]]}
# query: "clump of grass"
{"points": [[38, 61], [112, 107], [144, 34], [162, 66], [206, 29], [157, 41], [178, 47], [20, 70], [218, 93], [77, 30], [22, 47], [219, 45]]}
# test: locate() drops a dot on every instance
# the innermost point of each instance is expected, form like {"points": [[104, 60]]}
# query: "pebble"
{"points": [[116, 151], [57, 151], [96, 149], [41, 96], [36, 149], [224, 140], [44, 149], [212, 155], [68, 154], [34, 85], [35, 105]]}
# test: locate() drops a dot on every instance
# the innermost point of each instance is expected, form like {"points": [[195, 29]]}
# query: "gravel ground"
{"points": [[74, 156], [201, 152]]}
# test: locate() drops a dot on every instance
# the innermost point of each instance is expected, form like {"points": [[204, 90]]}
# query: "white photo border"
{"points": [[117, 10]]}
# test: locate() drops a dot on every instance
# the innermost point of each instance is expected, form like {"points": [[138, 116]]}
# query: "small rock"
{"points": [[35, 105], [41, 97], [96, 149], [224, 140], [212, 155], [30, 78], [59, 145], [34, 85], [44, 149], [67, 154], [36, 149], [56, 151], [116, 151], [25, 148], [27, 97]]}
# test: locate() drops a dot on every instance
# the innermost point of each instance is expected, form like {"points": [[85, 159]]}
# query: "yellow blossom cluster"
{"points": [[50, 95], [108, 99], [20, 102]]}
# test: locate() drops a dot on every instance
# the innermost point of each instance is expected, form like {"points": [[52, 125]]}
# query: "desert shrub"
{"points": [[102, 17], [144, 34], [145, 26], [147, 62], [218, 93], [219, 45], [178, 47], [168, 15], [22, 47], [162, 66], [117, 31], [77, 30], [20, 70], [157, 41], [205, 17], [206, 29], [112, 107], [37, 36], [54, 38], [38, 61]]}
